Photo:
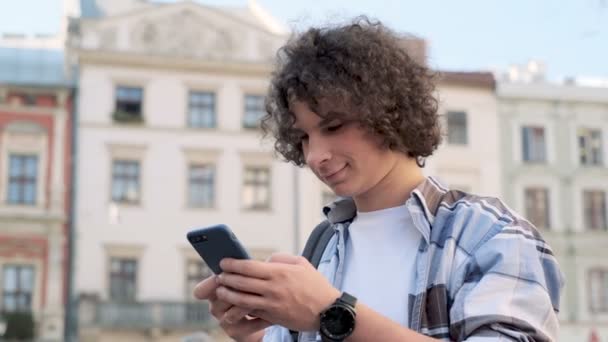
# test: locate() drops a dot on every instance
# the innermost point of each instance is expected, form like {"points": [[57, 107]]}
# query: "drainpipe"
{"points": [[70, 328]]}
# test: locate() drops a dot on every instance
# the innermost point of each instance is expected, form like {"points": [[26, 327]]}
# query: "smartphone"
{"points": [[216, 243]]}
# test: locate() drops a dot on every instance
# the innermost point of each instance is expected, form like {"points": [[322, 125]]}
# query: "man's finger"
{"points": [[285, 258], [243, 283], [249, 268], [245, 326], [235, 314], [218, 308], [205, 290], [241, 299]]}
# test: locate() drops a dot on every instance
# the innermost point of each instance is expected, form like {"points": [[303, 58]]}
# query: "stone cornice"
{"points": [[181, 64]]}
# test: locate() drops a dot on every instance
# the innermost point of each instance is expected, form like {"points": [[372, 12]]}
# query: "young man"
{"points": [[410, 260]]}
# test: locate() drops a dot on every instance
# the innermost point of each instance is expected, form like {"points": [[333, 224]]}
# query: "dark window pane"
{"points": [[533, 144], [594, 202], [123, 279], [457, 128], [254, 111], [23, 179], [537, 207], [201, 111], [18, 285], [201, 186], [256, 188], [125, 181], [590, 147], [128, 103]]}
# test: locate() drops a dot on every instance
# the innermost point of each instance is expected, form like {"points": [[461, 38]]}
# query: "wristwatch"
{"points": [[338, 320]]}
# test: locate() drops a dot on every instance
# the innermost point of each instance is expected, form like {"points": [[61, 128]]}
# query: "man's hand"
{"points": [[233, 320], [287, 290]]}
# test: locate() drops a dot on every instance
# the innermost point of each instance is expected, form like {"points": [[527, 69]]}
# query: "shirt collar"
{"points": [[428, 195]]}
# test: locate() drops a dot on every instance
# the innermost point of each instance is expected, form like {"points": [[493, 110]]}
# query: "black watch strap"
{"points": [[348, 300]]}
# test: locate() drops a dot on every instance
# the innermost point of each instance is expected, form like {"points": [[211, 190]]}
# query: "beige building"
{"points": [[169, 101], [554, 143], [468, 158]]}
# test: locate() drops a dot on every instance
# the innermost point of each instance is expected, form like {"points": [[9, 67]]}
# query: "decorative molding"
{"points": [[138, 61], [182, 34]]}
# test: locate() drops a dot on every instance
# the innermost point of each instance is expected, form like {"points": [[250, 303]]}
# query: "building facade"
{"points": [[554, 143], [169, 106], [35, 185], [468, 158]]}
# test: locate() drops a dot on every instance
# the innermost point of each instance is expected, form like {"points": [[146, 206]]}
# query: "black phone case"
{"points": [[216, 243]]}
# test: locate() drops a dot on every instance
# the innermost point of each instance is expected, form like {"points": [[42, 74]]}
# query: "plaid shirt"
{"points": [[483, 273]]}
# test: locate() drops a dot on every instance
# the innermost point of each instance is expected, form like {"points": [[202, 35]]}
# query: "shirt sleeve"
{"points": [[510, 290], [277, 333]]}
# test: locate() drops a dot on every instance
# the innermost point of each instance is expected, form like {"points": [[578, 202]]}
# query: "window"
{"points": [[594, 202], [123, 279], [125, 181], [256, 188], [598, 290], [201, 110], [590, 147], [201, 186], [22, 179], [254, 110], [537, 207], [533, 144], [128, 104], [196, 270], [457, 128], [17, 288]]}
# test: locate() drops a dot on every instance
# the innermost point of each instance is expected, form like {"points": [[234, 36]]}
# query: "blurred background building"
{"points": [[554, 150], [36, 95], [167, 100]]}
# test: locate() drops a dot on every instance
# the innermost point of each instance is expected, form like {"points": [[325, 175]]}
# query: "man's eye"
{"points": [[334, 128], [304, 137]]}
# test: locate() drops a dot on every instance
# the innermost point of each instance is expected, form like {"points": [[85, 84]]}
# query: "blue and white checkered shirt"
{"points": [[483, 273]]}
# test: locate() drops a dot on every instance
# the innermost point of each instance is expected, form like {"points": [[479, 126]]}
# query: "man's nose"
{"points": [[319, 151]]}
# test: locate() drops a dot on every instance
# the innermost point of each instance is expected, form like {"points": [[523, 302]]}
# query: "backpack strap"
{"points": [[318, 240], [314, 249]]}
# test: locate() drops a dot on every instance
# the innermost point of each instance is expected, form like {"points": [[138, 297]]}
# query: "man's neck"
{"points": [[392, 190]]}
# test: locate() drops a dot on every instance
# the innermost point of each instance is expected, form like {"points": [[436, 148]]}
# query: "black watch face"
{"points": [[337, 322]]}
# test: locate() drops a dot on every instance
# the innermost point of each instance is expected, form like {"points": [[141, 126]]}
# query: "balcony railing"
{"points": [[146, 315]]}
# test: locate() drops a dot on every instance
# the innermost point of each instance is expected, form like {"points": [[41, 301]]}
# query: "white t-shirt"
{"points": [[380, 261]]}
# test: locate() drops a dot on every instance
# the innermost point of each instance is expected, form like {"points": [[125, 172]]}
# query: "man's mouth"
{"points": [[331, 175]]}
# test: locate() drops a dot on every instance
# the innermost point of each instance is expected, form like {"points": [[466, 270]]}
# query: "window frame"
{"points": [[603, 215], [23, 179], [589, 148], [212, 183], [123, 276], [138, 179], [19, 291], [245, 123], [202, 106], [547, 205], [256, 184], [450, 138], [121, 103]]}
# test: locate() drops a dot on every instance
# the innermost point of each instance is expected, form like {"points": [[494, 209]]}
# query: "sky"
{"points": [[569, 36]]}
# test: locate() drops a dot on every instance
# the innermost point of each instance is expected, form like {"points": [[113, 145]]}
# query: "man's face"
{"points": [[341, 153]]}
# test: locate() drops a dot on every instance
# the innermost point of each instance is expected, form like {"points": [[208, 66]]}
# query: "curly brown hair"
{"points": [[361, 66]]}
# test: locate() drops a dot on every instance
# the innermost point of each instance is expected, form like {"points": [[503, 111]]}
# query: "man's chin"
{"points": [[342, 190]]}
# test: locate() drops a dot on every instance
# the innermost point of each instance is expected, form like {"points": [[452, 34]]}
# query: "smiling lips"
{"points": [[331, 177]]}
